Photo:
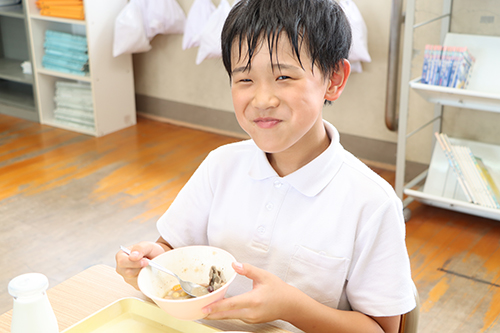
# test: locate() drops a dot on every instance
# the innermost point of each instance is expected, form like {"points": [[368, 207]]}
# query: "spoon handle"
{"points": [[161, 268], [151, 263]]}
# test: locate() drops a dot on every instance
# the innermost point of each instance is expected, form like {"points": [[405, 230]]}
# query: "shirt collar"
{"points": [[311, 178]]}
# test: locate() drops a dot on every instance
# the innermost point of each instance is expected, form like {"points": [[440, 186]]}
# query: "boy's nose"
{"points": [[265, 98]]}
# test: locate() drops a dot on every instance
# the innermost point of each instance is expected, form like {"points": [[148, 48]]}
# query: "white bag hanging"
{"points": [[210, 37], [129, 35], [356, 67], [198, 16], [359, 48], [162, 17]]}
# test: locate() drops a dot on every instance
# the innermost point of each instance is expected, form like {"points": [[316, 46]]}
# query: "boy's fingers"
{"points": [[135, 256], [132, 261], [239, 268], [250, 271], [228, 308]]}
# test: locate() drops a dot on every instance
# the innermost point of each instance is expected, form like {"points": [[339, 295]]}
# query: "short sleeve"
{"points": [[185, 221], [379, 282]]}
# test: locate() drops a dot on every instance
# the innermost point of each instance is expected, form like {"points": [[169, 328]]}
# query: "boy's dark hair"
{"points": [[319, 25]]}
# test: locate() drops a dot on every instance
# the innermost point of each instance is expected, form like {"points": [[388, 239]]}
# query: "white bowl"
{"points": [[190, 263]]}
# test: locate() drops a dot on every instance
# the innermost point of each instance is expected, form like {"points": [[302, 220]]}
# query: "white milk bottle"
{"points": [[32, 311]]}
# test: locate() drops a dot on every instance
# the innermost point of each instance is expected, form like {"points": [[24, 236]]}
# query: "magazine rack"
{"points": [[483, 94]]}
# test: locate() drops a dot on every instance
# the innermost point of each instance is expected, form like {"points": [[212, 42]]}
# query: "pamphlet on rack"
{"points": [[472, 174], [447, 66]]}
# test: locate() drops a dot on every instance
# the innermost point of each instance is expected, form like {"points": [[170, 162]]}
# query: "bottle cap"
{"points": [[28, 284]]}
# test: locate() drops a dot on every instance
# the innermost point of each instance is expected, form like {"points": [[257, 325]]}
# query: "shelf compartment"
{"points": [[39, 28], [16, 94], [10, 69], [47, 92], [12, 11], [483, 92], [441, 187]]}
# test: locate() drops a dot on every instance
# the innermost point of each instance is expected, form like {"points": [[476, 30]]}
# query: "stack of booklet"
{"points": [[65, 53], [447, 66], [72, 9], [74, 104], [472, 175]]}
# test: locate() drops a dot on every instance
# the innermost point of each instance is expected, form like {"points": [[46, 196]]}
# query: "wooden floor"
{"points": [[67, 201]]}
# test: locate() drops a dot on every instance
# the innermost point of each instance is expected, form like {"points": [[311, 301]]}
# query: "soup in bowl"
{"points": [[191, 263]]}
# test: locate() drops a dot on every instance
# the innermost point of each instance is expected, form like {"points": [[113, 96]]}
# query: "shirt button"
{"points": [[261, 230], [277, 184], [269, 206]]}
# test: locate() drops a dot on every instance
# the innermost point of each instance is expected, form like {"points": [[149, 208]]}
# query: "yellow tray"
{"points": [[137, 316]]}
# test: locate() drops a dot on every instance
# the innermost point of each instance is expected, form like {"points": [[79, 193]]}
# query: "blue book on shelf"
{"points": [[436, 65], [446, 65], [426, 66]]}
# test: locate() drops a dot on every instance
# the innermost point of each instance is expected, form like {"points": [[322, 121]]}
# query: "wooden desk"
{"points": [[99, 286]]}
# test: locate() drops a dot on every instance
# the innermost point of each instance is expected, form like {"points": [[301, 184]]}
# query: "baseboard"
{"points": [[28, 114], [189, 115], [162, 119], [376, 153]]}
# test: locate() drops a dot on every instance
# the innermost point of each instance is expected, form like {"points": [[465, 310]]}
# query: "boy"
{"points": [[320, 236]]}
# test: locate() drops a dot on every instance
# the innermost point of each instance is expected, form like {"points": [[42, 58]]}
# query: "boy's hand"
{"points": [[130, 266], [268, 300]]}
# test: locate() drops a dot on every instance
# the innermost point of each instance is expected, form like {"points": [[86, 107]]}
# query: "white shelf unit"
{"points": [[483, 94], [110, 78], [17, 96]]}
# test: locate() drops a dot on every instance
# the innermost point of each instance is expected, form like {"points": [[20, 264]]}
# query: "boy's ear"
{"points": [[337, 81]]}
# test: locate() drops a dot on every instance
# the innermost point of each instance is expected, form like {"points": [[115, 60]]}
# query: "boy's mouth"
{"points": [[266, 122]]}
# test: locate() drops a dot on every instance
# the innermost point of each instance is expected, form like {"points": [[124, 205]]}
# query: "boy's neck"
{"points": [[297, 156]]}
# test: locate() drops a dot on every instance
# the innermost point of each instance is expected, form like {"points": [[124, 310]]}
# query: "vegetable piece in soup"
{"points": [[176, 293]]}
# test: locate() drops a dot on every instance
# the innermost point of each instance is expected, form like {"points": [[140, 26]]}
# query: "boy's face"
{"points": [[280, 107]]}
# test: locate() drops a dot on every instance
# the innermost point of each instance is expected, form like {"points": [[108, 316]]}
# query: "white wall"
{"points": [[170, 73], [167, 72]]}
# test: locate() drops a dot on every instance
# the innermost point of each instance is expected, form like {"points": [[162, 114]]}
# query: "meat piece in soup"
{"points": [[217, 279]]}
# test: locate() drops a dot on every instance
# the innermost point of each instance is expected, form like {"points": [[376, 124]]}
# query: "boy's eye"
{"points": [[283, 77]]}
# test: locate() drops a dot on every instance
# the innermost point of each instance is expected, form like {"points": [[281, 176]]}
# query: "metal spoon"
{"points": [[190, 288]]}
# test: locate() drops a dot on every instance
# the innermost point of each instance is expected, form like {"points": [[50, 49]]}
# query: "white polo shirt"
{"points": [[334, 228]]}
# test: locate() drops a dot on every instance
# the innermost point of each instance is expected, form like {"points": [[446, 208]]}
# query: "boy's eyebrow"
{"points": [[242, 69], [285, 66]]}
